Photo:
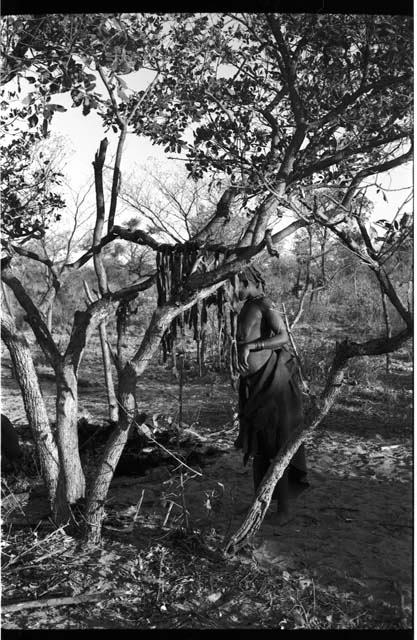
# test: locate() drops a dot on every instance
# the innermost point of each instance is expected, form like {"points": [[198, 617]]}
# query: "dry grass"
{"points": [[177, 580]]}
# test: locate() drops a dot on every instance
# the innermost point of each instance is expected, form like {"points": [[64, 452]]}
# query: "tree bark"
{"points": [[6, 299], [49, 314], [114, 448], [33, 402], [323, 255], [67, 419], [107, 364], [108, 376]]}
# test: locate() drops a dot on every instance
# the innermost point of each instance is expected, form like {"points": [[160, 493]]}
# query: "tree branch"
{"points": [[350, 98], [33, 316], [85, 322], [343, 154], [220, 217], [117, 176], [374, 169], [289, 70], [92, 251], [100, 214]]}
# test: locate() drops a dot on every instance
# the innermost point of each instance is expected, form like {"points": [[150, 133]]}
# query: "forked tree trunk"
{"points": [[34, 403], [128, 375], [127, 405], [67, 430]]}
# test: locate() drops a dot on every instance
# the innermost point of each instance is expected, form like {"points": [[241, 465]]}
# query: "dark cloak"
{"points": [[270, 408]]}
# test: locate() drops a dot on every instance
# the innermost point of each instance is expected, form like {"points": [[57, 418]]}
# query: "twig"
{"points": [[51, 535], [14, 498], [160, 583], [49, 555], [171, 504], [164, 448], [54, 602], [138, 507]]}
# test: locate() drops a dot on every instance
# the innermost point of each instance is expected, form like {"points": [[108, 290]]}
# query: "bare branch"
{"points": [[117, 176], [92, 251], [100, 214]]}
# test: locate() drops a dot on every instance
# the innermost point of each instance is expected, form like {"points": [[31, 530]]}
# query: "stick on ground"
{"points": [[54, 602]]}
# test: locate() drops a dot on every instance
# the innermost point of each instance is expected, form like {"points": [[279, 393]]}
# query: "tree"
{"points": [[315, 104]]}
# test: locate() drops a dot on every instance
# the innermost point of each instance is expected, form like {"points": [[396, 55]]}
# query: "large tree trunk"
{"points": [[67, 417], [33, 402], [127, 403], [111, 455]]}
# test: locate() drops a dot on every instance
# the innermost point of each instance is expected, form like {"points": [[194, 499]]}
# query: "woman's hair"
{"points": [[251, 274]]}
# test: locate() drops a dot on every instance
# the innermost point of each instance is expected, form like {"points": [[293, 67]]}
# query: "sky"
{"points": [[81, 136]]}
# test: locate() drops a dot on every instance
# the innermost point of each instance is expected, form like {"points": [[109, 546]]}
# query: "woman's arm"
{"points": [[276, 325]]}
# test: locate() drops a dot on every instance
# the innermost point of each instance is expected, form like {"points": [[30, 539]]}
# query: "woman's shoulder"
{"points": [[268, 303]]}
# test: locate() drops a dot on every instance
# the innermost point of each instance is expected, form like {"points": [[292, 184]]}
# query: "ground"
{"points": [[343, 561]]}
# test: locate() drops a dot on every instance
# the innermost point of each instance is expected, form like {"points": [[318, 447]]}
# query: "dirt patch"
{"points": [[350, 532]]}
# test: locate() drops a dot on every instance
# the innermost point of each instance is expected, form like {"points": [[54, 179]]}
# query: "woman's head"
{"points": [[251, 283]]}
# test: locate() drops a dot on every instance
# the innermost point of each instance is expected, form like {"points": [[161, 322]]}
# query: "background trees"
{"points": [[282, 115]]}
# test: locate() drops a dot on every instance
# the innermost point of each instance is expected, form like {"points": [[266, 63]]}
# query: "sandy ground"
{"points": [[351, 529]]}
